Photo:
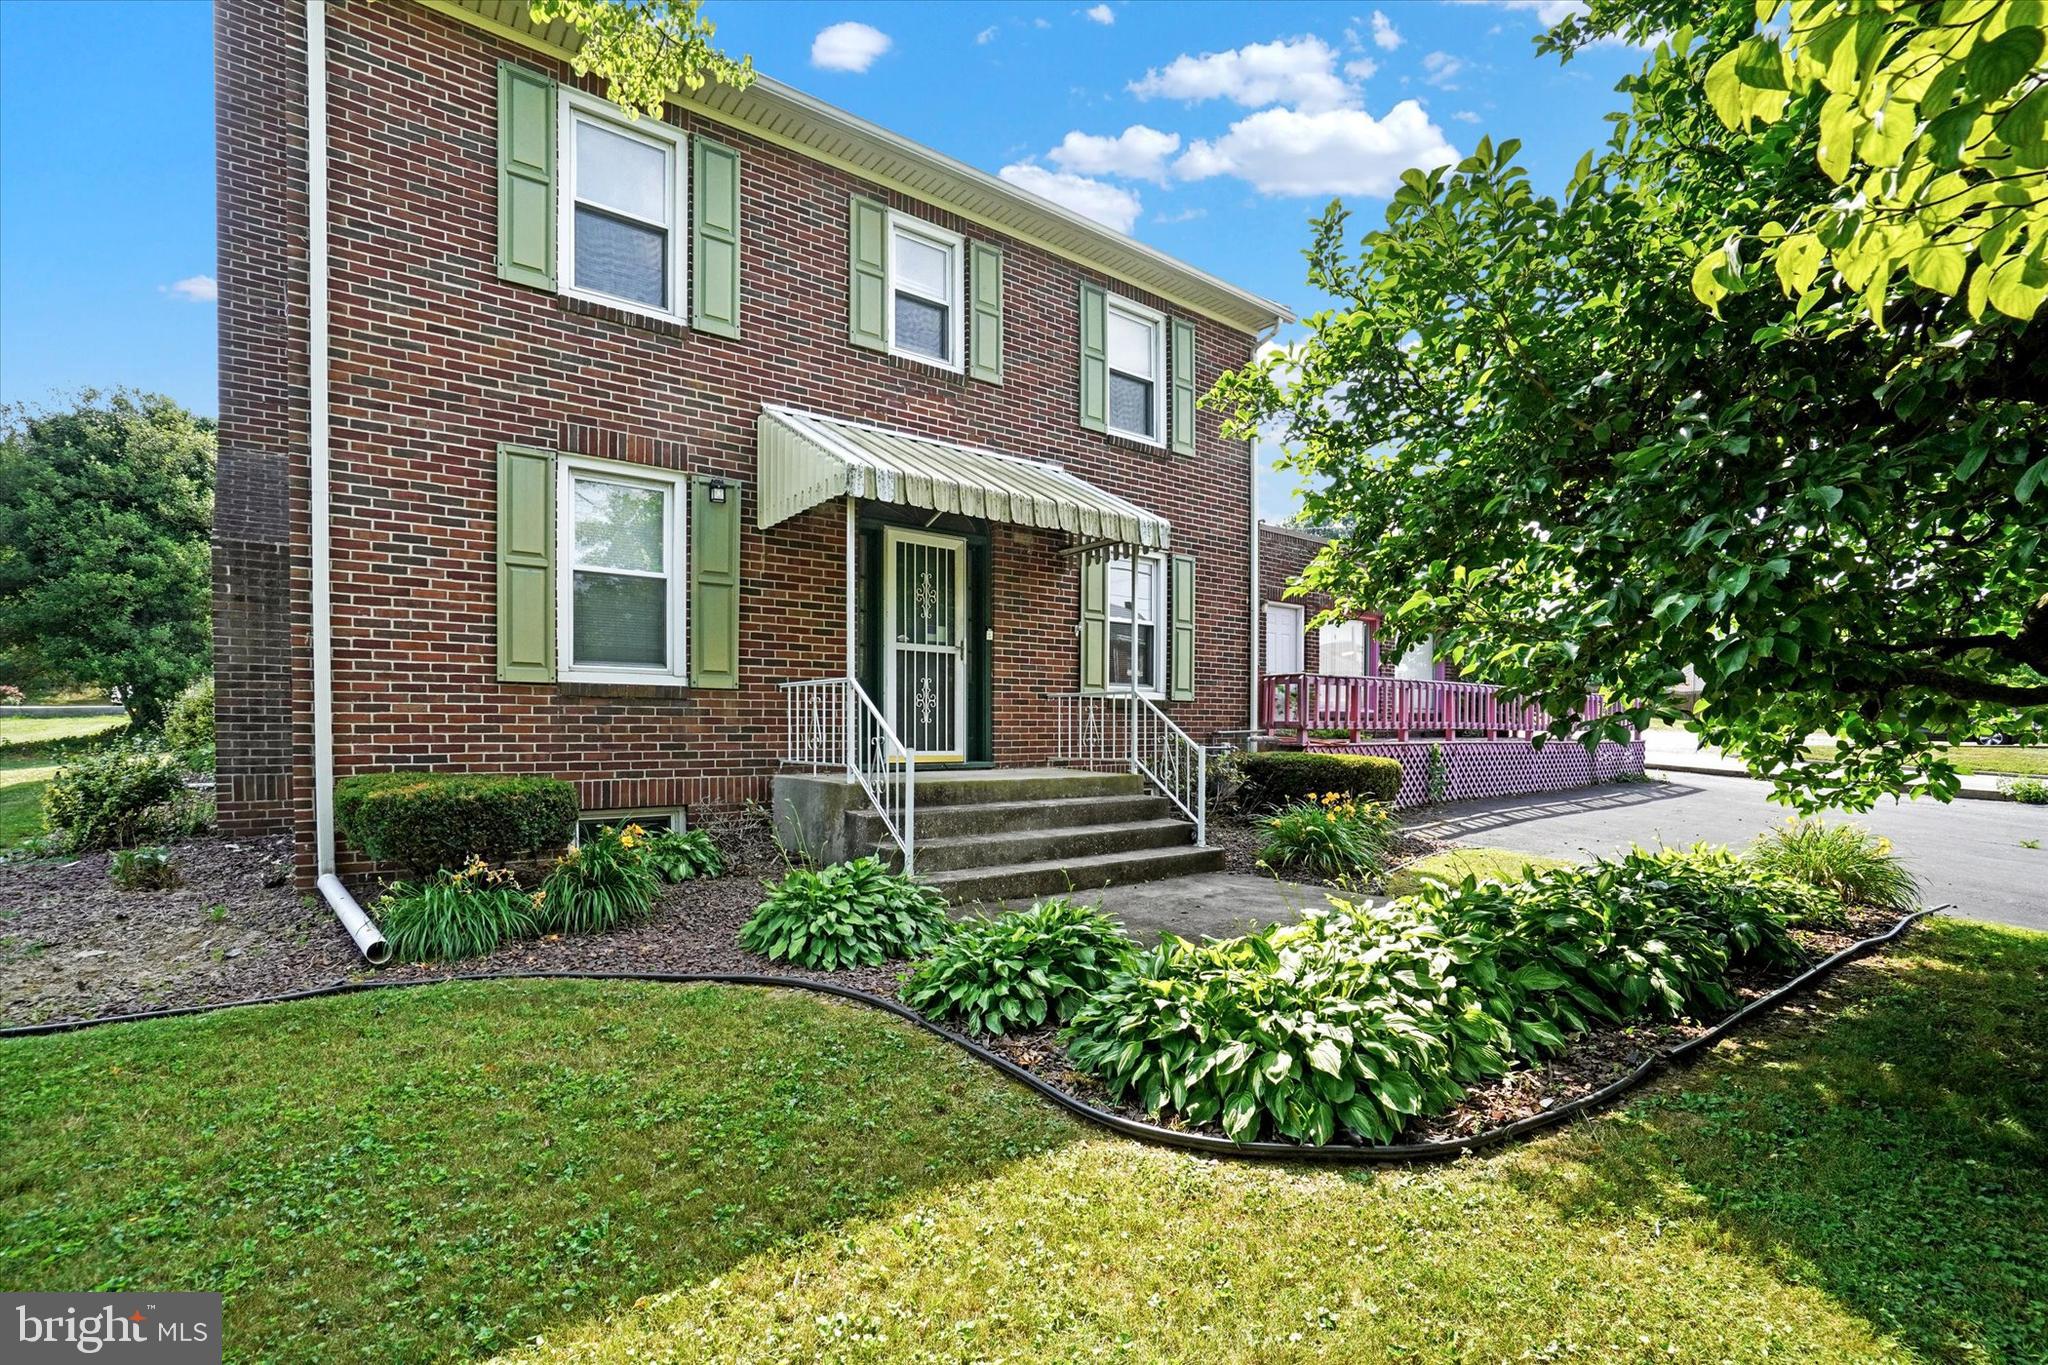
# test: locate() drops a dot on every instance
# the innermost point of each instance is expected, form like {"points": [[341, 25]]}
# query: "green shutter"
{"points": [[526, 565], [1094, 623], [526, 176], [714, 585], [985, 342], [715, 237], [1094, 359], [867, 251], [1180, 666], [1181, 423]]}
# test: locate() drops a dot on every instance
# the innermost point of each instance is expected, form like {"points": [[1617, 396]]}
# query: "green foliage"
{"points": [[1332, 836], [647, 50], [852, 914], [679, 855], [144, 869], [188, 725], [602, 883], [1284, 775], [435, 820], [2028, 791], [1437, 779], [105, 570], [455, 914], [1846, 861], [117, 796], [1020, 970], [1517, 409]]}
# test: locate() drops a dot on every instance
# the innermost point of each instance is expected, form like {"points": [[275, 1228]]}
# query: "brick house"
{"points": [[683, 457]]}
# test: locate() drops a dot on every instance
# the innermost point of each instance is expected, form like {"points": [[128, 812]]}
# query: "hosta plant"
{"points": [[852, 914], [1333, 836], [602, 883], [455, 913], [679, 855], [1843, 860], [1021, 970], [144, 869]]}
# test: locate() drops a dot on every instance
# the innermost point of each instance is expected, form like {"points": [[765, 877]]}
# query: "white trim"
{"points": [[675, 538], [1299, 632], [893, 536], [673, 143], [1156, 320], [1161, 623], [955, 247]]}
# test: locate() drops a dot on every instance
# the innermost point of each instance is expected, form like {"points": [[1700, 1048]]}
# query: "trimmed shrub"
{"points": [[679, 855], [455, 914], [1845, 861], [144, 869], [116, 796], [600, 884], [435, 820], [188, 725], [853, 914], [1331, 836], [1020, 970], [1294, 775]]}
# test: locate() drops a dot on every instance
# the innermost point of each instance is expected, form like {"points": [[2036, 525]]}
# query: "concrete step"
{"points": [[982, 787], [968, 885], [865, 829], [1014, 847]]}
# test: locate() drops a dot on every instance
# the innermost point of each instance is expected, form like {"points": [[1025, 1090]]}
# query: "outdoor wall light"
{"points": [[717, 490]]}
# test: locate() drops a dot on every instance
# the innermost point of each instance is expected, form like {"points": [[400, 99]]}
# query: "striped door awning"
{"points": [[805, 459]]}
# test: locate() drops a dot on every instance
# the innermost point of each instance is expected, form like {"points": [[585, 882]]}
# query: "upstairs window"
{"points": [[924, 291], [1137, 367], [621, 208], [621, 561], [1137, 606]]}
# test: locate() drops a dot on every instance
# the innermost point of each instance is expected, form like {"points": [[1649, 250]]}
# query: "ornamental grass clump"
{"points": [[1021, 970], [602, 883], [1845, 860], [1334, 836], [852, 914], [455, 914], [679, 855]]}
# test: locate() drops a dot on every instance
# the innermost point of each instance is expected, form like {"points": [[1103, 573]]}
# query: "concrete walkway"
{"points": [[1207, 905]]}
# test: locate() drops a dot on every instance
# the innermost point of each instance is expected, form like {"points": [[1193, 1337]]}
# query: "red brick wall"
{"points": [[436, 361]]}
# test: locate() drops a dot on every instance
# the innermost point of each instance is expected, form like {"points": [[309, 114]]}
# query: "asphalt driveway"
{"points": [[1970, 853]]}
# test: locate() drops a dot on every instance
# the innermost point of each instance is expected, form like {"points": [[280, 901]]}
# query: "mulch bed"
{"points": [[72, 946]]}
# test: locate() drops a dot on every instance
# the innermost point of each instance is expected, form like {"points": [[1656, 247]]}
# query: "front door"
{"points": [[924, 630]]}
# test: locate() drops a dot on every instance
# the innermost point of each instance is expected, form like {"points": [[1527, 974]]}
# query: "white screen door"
{"points": [[924, 595]]}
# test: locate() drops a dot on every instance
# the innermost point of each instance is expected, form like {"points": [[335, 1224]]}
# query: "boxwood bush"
{"points": [[1276, 778], [434, 820], [1020, 970], [116, 796], [852, 914]]}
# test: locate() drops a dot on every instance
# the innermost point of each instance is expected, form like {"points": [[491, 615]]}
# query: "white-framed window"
{"points": [[653, 821], [1137, 371], [925, 286], [1137, 618], [622, 581], [1341, 649], [1419, 663], [1284, 637], [621, 208]]}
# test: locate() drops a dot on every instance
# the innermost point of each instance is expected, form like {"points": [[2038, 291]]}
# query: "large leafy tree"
{"points": [[646, 50], [1545, 451], [105, 572]]}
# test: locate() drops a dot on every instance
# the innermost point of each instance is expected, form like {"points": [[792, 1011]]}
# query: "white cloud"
{"points": [[1466, 116], [1337, 151], [192, 289], [1384, 33], [1109, 205], [1361, 68], [987, 35], [1137, 153], [1297, 71], [1041, 22], [1181, 216], [1102, 14], [1441, 69], [848, 47], [1549, 13]]}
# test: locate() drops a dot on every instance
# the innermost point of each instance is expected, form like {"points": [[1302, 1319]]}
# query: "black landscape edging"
{"points": [[1335, 1153]]}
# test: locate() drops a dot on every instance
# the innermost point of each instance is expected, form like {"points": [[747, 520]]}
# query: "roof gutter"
{"points": [[359, 925]]}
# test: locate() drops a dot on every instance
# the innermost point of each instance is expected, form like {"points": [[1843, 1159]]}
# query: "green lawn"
{"points": [[640, 1171], [26, 764], [17, 730], [2010, 760], [1456, 864]]}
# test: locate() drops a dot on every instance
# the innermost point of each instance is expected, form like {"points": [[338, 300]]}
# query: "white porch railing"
{"points": [[1126, 732], [831, 723]]}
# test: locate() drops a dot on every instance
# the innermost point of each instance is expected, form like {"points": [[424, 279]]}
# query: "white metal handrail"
{"points": [[1127, 732], [833, 723]]}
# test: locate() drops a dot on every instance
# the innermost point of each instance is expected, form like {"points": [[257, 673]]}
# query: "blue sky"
{"points": [[1213, 131]]}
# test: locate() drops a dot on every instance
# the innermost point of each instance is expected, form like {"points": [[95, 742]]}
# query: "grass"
{"points": [[638, 1171], [2014, 760], [1456, 864], [21, 798], [24, 730], [27, 745]]}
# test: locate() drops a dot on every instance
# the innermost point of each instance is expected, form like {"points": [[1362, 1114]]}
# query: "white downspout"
{"points": [[1264, 335], [359, 925]]}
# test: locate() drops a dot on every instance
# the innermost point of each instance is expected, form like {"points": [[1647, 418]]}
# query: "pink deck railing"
{"points": [[1400, 708]]}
